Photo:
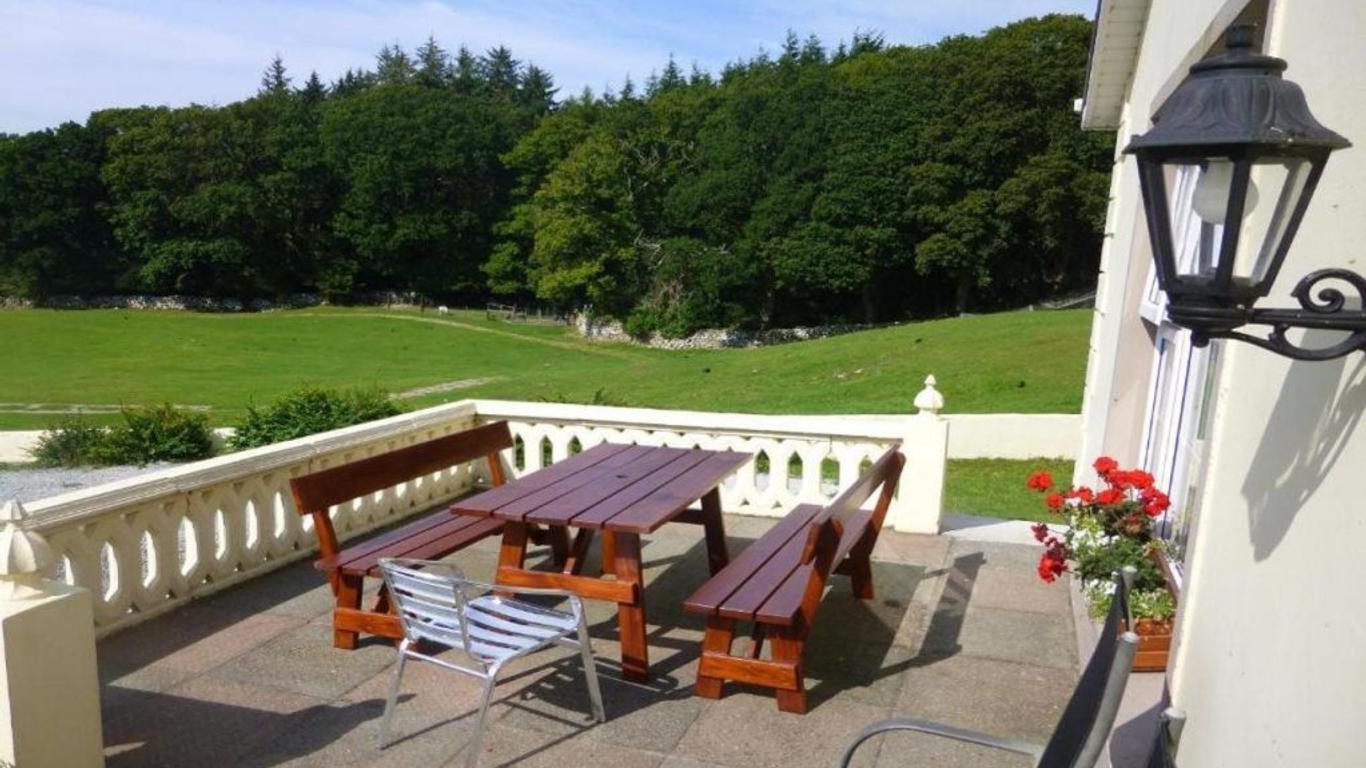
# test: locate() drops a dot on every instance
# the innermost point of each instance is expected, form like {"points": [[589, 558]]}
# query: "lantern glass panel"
{"points": [[1196, 207], [1274, 189]]}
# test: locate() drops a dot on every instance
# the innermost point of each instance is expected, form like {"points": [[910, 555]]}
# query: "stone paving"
{"points": [[961, 631]]}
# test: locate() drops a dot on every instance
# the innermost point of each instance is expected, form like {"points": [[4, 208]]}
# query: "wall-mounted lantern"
{"points": [[1237, 146]]}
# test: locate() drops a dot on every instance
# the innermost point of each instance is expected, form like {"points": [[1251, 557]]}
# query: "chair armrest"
{"points": [[938, 729]]}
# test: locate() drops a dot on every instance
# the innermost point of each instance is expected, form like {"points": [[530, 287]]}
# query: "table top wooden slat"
{"points": [[484, 504], [563, 510], [713, 594], [597, 515], [668, 500], [517, 510]]}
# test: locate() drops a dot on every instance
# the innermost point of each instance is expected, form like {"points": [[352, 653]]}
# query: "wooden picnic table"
{"points": [[623, 491]]}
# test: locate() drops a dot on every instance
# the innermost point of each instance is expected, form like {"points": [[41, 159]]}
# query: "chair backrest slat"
{"points": [[1090, 713]]}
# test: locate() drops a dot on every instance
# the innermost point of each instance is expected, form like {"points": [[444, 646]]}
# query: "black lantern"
{"points": [[1227, 173]]}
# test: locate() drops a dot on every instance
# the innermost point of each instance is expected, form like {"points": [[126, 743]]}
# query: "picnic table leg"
{"points": [[715, 529], [348, 587], [559, 544], [609, 551], [635, 662], [512, 552]]}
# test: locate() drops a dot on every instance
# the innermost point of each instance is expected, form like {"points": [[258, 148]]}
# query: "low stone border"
{"points": [[212, 304], [716, 338]]}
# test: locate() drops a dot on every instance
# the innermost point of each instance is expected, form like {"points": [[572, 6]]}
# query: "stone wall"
{"points": [[212, 304], [713, 338]]}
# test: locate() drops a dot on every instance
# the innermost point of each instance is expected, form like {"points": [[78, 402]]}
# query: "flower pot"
{"points": [[1154, 643]]}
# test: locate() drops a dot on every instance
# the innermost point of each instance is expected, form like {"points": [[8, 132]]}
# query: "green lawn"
{"points": [[996, 487], [1016, 362]]}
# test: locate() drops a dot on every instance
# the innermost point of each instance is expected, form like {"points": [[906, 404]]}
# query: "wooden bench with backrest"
{"points": [[431, 537], [777, 583]]}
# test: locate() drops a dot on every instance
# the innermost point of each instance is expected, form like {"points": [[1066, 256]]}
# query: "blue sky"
{"points": [[64, 58]]}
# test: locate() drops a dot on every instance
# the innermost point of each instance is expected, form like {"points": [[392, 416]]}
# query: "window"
{"points": [[1179, 391]]}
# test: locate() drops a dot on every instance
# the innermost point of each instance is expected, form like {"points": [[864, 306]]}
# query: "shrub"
{"points": [[162, 433], [72, 443], [308, 411], [158, 433]]}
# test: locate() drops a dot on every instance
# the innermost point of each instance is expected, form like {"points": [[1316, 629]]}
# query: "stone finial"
{"points": [[24, 555], [929, 402]]}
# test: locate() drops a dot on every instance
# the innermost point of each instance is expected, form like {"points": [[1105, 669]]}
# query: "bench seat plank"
{"points": [[713, 594], [431, 545], [385, 540]]}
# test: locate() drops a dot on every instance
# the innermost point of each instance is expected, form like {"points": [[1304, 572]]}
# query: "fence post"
{"points": [[49, 687], [920, 498]]}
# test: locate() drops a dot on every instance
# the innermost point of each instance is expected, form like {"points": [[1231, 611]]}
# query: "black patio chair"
{"points": [[1169, 725], [1085, 724]]}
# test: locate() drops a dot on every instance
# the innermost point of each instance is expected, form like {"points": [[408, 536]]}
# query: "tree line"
{"points": [[869, 182]]}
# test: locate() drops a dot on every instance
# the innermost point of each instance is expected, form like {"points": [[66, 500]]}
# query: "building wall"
{"points": [[1269, 662]]}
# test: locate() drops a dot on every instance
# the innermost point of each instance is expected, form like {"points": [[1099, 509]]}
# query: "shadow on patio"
{"points": [[960, 631]]}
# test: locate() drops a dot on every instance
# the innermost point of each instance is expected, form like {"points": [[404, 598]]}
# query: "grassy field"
{"points": [[57, 360], [996, 487]]}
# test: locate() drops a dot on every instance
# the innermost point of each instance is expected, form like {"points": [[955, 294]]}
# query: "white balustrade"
{"points": [[149, 543]]}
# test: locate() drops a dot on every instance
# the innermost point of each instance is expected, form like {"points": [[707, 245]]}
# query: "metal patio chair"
{"points": [[435, 603], [1081, 732]]}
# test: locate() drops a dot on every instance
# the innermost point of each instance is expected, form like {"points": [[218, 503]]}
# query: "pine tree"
{"points": [[791, 48], [672, 77], [628, 90], [313, 91], [274, 81], [433, 64], [812, 51], [467, 78], [537, 89], [353, 81], [699, 76], [393, 65], [500, 70]]}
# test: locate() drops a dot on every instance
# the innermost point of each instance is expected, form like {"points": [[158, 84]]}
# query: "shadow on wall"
{"points": [[1314, 418]]}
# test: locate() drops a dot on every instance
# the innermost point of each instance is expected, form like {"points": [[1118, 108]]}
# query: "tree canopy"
{"points": [[870, 182]]}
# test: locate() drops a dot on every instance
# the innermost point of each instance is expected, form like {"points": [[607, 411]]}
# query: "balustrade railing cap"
{"points": [[929, 402], [24, 555]]}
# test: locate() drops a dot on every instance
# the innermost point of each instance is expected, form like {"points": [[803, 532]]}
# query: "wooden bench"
{"points": [[433, 536], [777, 583]]}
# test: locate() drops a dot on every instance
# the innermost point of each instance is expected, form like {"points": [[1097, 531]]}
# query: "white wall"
{"points": [[1271, 661], [14, 446], [1013, 435]]}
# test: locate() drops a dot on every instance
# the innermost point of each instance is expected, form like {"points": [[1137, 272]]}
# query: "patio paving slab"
{"points": [[959, 631]]}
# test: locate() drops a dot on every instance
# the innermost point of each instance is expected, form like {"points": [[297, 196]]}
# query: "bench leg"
{"points": [[718, 639], [349, 587], [635, 661], [787, 648], [559, 544], [861, 576]]}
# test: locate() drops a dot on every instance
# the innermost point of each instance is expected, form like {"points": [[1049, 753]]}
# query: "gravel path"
{"points": [[30, 485]]}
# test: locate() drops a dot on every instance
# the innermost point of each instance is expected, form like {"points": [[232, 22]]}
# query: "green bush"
{"points": [[310, 410], [152, 434], [72, 443], [161, 433]]}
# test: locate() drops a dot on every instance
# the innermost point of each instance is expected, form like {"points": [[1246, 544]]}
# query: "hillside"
{"points": [[57, 361]]}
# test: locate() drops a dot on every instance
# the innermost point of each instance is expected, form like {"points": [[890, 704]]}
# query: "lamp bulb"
{"points": [[1212, 191]]}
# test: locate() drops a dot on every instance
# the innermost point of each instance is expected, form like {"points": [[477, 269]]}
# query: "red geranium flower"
{"points": [[1105, 465], [1040, 531], [1109, 496], [1084, 495], [1155, 502], [1054, 501], [1040, 481], [1140, 479]]}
